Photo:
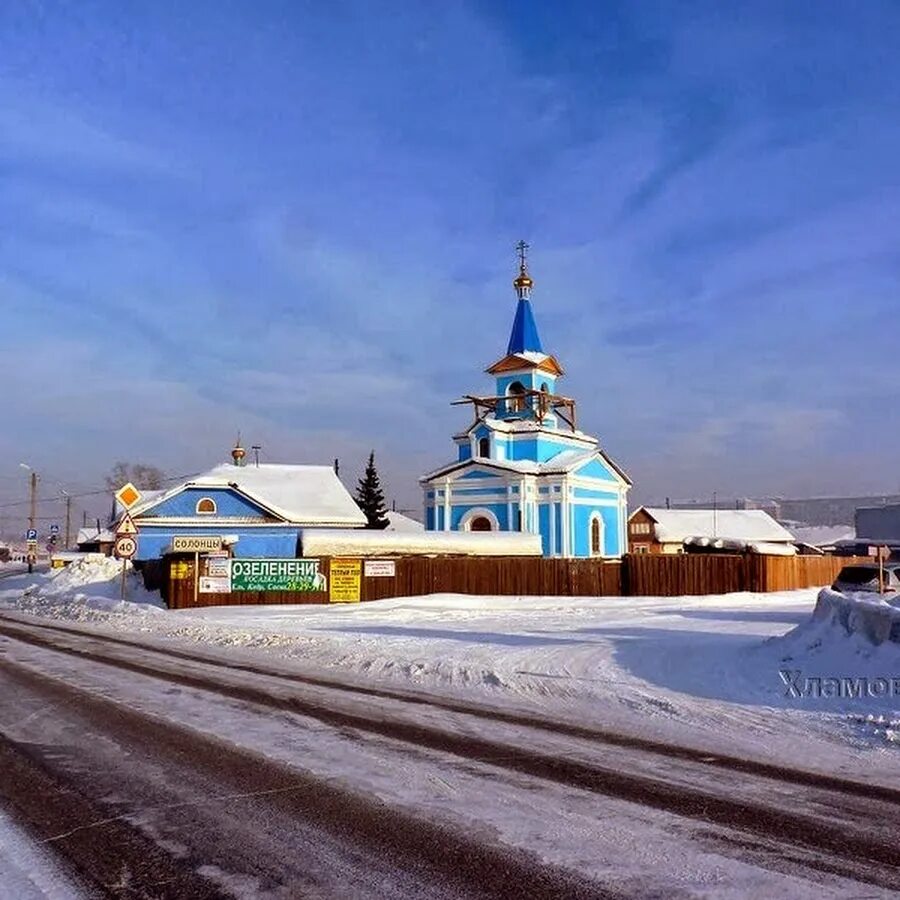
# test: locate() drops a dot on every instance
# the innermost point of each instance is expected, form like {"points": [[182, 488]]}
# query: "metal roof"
{"points": [[524, 335]]}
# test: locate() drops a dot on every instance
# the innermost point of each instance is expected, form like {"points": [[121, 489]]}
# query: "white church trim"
{"points": [[479, 512]]}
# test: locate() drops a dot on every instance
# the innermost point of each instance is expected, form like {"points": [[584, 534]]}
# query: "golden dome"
{"points": [[523, 280]]}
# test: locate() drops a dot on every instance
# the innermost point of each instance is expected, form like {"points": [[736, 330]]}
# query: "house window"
{"points": [[206, 506], [518, 520], [640, 528], [484, 447], [596, 535], [641, 549], [480, 523]]}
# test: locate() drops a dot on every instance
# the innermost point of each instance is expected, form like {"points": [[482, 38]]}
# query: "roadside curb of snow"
{"points": [[875, 621]]}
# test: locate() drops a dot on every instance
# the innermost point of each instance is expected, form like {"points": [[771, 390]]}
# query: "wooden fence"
{"points": [[701, 573], [638, 575]]}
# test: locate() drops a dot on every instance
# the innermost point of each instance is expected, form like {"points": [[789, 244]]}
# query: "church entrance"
{"points": [[480, 523]]}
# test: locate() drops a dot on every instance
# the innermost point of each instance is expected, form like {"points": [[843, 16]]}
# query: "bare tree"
{"points": [[148, 478]]}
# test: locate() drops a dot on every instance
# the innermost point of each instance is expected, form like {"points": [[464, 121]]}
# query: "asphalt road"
{"points": [[146, 808]]}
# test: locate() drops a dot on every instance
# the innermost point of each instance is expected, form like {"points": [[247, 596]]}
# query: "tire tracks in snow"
{"points": [[845, 843], [712, 759], [142, 807]]}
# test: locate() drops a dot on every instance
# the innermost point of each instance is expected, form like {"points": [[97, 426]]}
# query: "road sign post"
{"points": [[124, 549], [883, 553], [128, 497]]}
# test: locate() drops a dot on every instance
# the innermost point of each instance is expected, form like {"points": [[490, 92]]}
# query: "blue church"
{"points": [[523, 465]]}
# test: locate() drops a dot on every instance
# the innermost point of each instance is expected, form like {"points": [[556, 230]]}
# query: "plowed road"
{"points": [[165, 772]]}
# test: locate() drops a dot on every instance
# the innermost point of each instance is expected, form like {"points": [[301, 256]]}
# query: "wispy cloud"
{"points": [[302, 226]]}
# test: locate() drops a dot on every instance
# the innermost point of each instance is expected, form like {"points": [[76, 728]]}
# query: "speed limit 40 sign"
{"points": [[125, 547]]}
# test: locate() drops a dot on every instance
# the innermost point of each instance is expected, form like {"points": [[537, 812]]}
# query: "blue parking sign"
{"points": [[31, 534]]}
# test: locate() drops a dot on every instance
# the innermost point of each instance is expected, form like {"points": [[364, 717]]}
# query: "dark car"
{"points": [[863, 577]]}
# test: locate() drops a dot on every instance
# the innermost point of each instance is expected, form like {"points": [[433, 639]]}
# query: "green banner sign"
{"points": [[277, 575]]}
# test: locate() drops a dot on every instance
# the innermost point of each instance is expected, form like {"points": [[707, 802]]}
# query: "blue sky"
{"points": [[297, 220]]}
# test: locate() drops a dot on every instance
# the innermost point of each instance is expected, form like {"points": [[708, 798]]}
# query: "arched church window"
{"points": [[206, 506], [480, 523], [484, 447], [596, 535], [516, 392]]}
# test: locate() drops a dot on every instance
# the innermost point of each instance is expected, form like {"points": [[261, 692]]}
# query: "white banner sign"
{"points": [[214, 585], [380, 568], [218, 567]]}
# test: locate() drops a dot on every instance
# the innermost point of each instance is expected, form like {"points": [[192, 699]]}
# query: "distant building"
{"points": [[658, 530], [522, 464], [878, 525], [818, 511], [92, 539], [254, 510]]}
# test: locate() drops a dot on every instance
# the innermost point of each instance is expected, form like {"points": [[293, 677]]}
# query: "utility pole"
{"points": [[32, 515], [68, 518]]}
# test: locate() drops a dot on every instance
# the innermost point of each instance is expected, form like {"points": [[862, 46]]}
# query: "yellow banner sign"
{"points": [[346, 577]]}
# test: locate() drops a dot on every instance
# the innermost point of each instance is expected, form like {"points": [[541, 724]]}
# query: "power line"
{"points": [[92, 493]]}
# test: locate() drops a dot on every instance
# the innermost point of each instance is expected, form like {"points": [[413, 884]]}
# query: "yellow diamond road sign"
{"points": [[128, 495], [126, 526]]}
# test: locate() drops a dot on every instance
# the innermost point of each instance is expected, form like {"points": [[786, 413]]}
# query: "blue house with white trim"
{"points": [[523, 465], [258, 511]]}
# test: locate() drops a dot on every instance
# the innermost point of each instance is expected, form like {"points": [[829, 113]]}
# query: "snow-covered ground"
{"points": [[719, 671], [87, 589], [27, 870], [700, 671]]}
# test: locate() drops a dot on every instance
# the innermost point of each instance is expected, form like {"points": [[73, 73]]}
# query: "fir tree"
{"points": [[370, 497]]}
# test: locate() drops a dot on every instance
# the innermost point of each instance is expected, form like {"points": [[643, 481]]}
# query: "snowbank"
{"points": [[87, 590], [861, 614]]}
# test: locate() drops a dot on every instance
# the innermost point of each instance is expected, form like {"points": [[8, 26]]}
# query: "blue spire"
{"points": [[524, 335], [524, 331]]}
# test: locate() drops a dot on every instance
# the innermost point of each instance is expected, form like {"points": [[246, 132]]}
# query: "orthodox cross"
{"points": [[522, 247]]}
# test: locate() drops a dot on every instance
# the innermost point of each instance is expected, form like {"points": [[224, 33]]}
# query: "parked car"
{"points": [[864, 577]]}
